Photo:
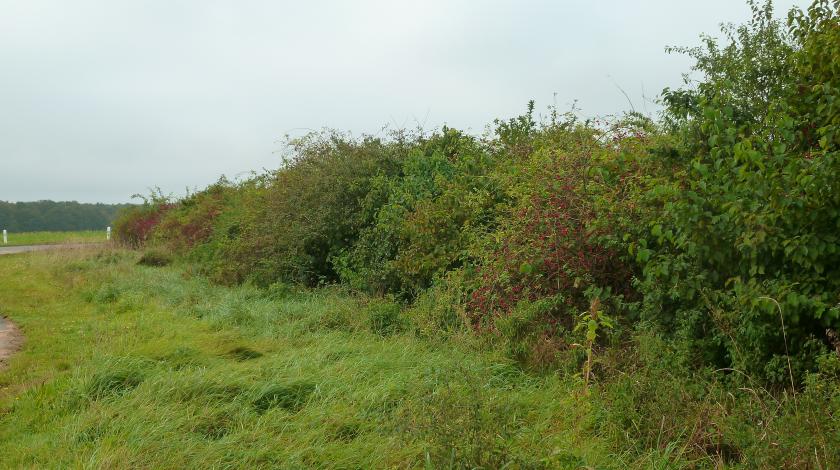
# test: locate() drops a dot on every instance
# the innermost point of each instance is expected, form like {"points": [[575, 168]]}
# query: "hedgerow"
{"points": [[135, 226], [715, 226], [425, 217], [744, 256]]}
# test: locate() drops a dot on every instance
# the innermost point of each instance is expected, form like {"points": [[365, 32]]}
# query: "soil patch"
{"points": [[10, 340]]}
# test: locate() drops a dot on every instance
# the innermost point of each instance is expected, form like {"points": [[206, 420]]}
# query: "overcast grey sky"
{"points": [[103, 99]]}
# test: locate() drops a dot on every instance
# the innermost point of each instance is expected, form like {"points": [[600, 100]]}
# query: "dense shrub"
{"points": [[717, 225], [312, 209], [745, 254], [561, 244], [425, 217], [225, 256], [191, 220], [135, 225]]}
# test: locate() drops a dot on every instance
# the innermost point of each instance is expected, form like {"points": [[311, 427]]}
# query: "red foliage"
{"points": [[186, 228], [135, 227], [553, 248]]}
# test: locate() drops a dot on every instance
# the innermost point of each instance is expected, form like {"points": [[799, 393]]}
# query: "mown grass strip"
{"points": [[51, 238]]}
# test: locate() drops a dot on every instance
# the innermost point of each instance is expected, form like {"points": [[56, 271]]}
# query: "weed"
{"points": [[340, 393], [205, 391], [107, 294], [279, 291], [465, 428], [346, 432], [592, 321]]}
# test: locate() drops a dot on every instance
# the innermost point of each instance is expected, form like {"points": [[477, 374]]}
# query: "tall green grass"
{"points": [[142, 367], [134, 366]]}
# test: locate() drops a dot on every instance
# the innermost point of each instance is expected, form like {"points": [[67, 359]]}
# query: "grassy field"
{"points": [[141, 367], [44, 238]]}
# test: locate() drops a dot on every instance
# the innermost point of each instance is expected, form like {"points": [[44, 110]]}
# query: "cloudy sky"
{"points": [[103, 99]]}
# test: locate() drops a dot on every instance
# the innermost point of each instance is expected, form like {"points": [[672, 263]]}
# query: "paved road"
{"points": [[10, 250]]}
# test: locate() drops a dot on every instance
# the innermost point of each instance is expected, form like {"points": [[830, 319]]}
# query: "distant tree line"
{"points": [[56, 216]]}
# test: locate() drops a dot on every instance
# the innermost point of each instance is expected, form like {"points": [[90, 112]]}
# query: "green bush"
{"points": [[560, 244], [425, 217], [311, 210], [136, 225], [744, 255], [716, 225], [226, 256], [191, 221]]}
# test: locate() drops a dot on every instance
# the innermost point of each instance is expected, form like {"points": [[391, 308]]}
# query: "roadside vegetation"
{"points": [[686, 268], [50, 238], [556, 293], [129, 366], [133, 366]]}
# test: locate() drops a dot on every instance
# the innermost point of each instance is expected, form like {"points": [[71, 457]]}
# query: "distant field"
{"points": [[41, 238]]}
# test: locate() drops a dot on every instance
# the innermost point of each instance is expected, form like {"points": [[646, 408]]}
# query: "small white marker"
{"points": [[107, 233], [5, 237]]}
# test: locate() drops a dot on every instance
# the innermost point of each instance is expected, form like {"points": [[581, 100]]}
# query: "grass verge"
{"points": [[148, 367], [50, 238], [139, 365]]}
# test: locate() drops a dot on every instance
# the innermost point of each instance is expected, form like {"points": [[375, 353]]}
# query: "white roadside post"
{"points": [[5, 237], [108, 233]]}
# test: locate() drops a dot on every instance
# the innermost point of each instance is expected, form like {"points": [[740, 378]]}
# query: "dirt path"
{"points": [[10, 250], [10, 340]]}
